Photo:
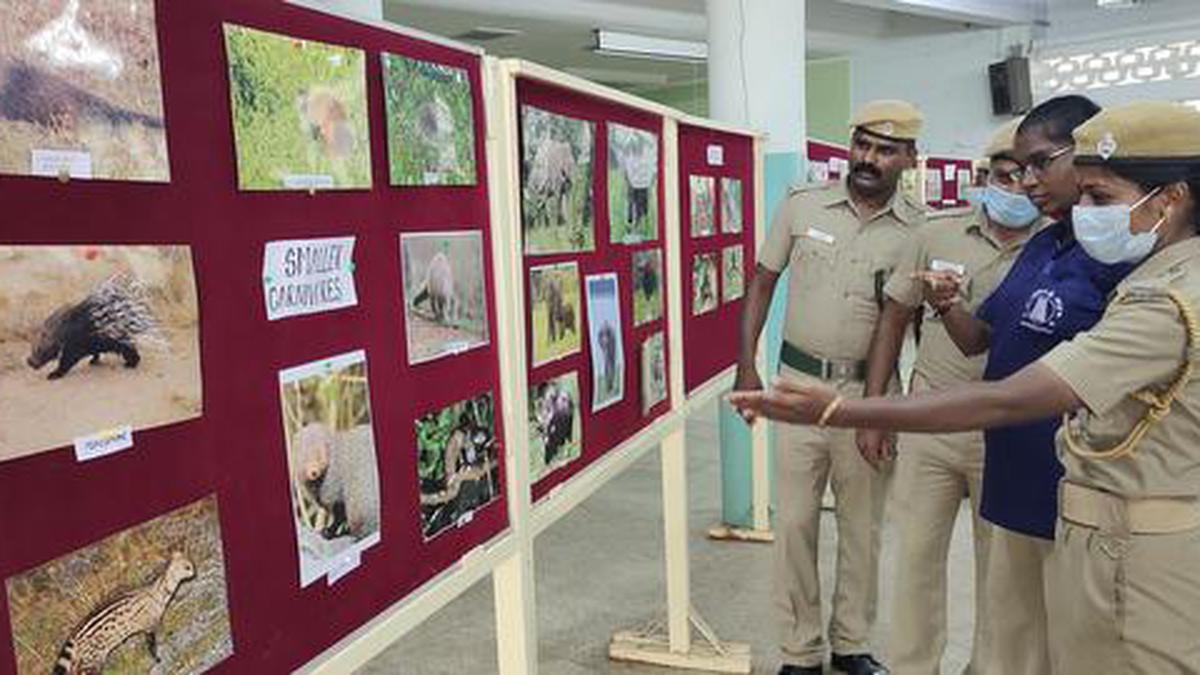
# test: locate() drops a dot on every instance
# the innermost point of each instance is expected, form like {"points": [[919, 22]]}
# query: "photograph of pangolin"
{"points": [[445, 306], [456, 463], [94, 337]]}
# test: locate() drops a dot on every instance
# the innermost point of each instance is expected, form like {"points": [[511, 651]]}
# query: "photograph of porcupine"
{"points": [[299, 112], [92, 338], [148, 599], [430, 122], [82, 75], [332, 463], [555, 421], [457, 466], [445, 303]]}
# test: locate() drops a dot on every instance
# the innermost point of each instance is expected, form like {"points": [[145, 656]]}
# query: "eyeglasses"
{"points": [[1038, 164]]}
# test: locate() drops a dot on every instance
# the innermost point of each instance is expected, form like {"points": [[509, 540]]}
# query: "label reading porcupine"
{"points": [[307, 276]]}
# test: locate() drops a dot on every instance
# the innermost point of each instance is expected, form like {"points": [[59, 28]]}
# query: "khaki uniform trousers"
{"points": [[1016, 601], [807, 458], [1122, 603], [933, 472]]}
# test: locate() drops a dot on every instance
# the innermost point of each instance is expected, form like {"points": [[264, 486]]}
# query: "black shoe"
{"points": [[789, 669], [858, 664]]}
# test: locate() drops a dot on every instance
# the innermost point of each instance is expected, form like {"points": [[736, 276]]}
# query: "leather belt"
{"points": [[1109, 513], [824, 369]]}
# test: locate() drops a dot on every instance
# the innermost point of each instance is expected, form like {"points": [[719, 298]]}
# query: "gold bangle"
{"points": [[829, 410]]}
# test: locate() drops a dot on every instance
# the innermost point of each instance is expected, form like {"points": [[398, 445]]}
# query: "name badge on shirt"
{"points": [[936, 265], [819, 235]]}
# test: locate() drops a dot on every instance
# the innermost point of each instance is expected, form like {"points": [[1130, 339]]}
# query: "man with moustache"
{"points": [[842, 242]]}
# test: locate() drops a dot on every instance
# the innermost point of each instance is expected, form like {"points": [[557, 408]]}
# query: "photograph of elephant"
{"points": [[332, 465], [632, 184], [703, 205], [704, 283], [93, 338], [557, 209], [733, 274], [554, 314], [457, 465], [731, 206], [654, 372], [554, 420], [81, 76], [647, 286], [445, 302], [299, 112], [430, 122], [605, 340], [148, 599]]}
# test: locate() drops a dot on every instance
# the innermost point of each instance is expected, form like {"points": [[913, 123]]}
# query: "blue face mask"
{"points": [[1105, 232], [1004, 208]]}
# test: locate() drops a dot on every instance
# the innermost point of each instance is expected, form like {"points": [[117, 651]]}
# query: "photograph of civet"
{"points": [[82, 76], [445, 303], [557, 209], [457, 467], [92, 338], [148, 599]]}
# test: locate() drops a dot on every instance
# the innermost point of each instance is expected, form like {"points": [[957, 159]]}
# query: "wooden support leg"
{"points": [[760, 532]]}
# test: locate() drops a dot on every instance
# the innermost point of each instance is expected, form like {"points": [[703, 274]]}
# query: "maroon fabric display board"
{"points": [[950, 193], [50, 505], [711, 339], [607, 428], [819, 151]]}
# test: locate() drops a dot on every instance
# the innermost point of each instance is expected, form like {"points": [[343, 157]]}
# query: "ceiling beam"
{"points": [[595, 13], [979, 12]]}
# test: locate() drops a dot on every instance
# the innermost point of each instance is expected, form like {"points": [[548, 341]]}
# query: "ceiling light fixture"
{"points": [[614, 43], [1117, 4]]}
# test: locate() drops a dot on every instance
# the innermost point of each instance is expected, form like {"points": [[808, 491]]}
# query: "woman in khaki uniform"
{"points": [[1123, 582]]}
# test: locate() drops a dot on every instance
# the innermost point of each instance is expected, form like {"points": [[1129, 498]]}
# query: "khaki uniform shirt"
{"points": [[1138, 344], [958, 241], [835, 258]]}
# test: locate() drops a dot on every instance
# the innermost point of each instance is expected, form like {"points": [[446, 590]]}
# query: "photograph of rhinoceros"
{"points": [[557, 209]]}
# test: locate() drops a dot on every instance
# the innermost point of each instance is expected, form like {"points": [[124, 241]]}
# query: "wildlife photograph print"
{"points": [[632, 184], [332, 466], [554, 419], [704, 283], [557, 209], [703, 203], [81, 91], [605, 341], [457, 466], [445, 303], [731, 206], [148, 599], [654, 372], [299, 112], [554, 312], [430, 122], [733, 273], [647, 286], [93, 338]]}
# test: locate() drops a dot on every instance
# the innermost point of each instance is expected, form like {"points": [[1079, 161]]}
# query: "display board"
{"points": [[827, 161], [308, 315], [718, 220], [946, 181], [592, 213]]}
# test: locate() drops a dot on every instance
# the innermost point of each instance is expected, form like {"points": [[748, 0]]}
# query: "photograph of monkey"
{"points": [[733, 273], [332, 466], [82, 76], [299, 112], [456, 463], [445, 303], [557, 211], [731, 206], [555, 421], [704, 283], [647, 286], [654, 372], [554, 312], [430, 122], [703, 205], [148, 599], [605, 340], [632, 184], [94, 337]]}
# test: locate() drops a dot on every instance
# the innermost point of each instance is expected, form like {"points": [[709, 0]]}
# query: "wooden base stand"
{"points": [[652, 645], [723, 532]]}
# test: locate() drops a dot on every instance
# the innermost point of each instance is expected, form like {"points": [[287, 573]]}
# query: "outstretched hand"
{"points": [[942, 289], [785, 401]]}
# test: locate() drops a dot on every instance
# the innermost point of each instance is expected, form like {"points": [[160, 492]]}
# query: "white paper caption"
{"points": [[716, 155], [308, 181], [950, 171], [104, 443], [839, 166], [308, 276], [343, 566], [54, 163]]}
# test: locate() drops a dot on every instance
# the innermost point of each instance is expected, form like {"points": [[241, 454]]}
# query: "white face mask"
{"points": [[1105, 232]]}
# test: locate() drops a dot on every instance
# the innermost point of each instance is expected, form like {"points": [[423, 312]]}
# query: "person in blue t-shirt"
{"points": [[1053, 291]]}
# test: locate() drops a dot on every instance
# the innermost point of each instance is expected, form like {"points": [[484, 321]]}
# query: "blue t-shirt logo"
{"points": [[1042, 312]]}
